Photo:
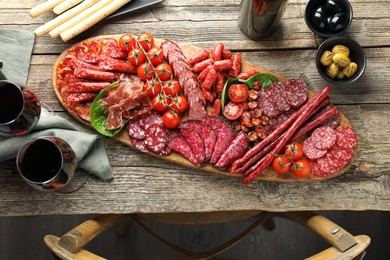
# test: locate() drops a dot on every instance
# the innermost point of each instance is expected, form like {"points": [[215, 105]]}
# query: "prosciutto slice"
{"points": [[125, 101]]}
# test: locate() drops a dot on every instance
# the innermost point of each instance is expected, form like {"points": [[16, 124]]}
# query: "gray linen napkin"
{"points": [[15, 53], [89, 149]]}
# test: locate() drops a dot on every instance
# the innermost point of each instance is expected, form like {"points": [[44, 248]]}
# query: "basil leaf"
{"points": [[98, 116]]}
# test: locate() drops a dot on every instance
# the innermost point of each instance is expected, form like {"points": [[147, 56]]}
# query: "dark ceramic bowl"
{"points": [[357, 55], [311, 18]]}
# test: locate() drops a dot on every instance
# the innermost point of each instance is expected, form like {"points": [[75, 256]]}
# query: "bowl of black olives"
{"points": [[328, 18], [340, 60]]}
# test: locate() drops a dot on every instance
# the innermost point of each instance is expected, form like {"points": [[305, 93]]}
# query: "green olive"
{"points": [[341, 49], [350, 70], [341, 75], [326, 58], [341, 59], [332, 70]]}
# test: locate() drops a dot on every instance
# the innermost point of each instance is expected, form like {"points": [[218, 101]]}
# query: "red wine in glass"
{"points": [[46, 163], [20, 109]]}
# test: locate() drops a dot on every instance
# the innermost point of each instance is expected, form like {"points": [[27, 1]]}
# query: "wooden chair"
{"points": [[344, 245]]}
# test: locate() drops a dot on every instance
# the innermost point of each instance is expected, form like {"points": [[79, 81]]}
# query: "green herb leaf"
{"points": [[98, 116]]}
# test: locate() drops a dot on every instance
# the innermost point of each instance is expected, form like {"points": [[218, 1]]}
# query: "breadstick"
{"points": [[67, 4], [78, 18], [47, 27], [93, 19], [44, 7]]}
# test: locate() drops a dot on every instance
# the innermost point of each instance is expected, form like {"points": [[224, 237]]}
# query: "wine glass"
{"points": [[46, 163], [20, 109]]}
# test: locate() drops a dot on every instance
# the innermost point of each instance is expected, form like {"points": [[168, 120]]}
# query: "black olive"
{"points": [[319, 20], [338, 22], [331, 7]]}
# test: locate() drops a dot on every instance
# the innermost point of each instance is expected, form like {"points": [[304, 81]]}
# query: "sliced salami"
{"points": [[155, 138], [326, 166], [206, 132], [279, 96], [225, 136], [323, 137], [139, 144], [151, 118], [235, 150], [333, 122], [196, 143], [215, 122], [311, 151], [165, 151], [339, 157], [346, 137], [180, 145], [296, 90], [268, 107], [135, 130], [315, 168]]}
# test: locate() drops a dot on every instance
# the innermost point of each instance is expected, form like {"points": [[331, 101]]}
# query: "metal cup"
{"points": [[259, 19], [46, 163]]}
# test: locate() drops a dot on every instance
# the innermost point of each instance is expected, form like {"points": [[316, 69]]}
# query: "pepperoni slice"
{"points": [[311, 151], [323, 137], [346, 137], [155, 138]]}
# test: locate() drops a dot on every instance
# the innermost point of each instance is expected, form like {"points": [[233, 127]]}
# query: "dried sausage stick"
{"points": [[258, 147], [308, 108], [315, 122]]}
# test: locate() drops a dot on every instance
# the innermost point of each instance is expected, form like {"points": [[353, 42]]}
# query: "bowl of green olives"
{"points": [[328, 18], [340, 60]]}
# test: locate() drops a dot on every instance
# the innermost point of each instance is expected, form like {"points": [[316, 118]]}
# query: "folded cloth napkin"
{"points": [[15, 53], [89, 148]]}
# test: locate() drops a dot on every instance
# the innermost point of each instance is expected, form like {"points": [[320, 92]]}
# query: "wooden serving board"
{"points": [[268, 175]]}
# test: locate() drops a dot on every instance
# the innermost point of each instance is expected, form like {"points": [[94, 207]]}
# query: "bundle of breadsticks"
{"points": [[74, 16]]}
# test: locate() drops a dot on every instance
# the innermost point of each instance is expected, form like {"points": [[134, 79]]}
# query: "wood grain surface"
{"points": [[144, 183]]}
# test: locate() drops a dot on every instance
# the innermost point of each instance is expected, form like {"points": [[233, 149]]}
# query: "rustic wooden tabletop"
{"points": [[143, 183]]}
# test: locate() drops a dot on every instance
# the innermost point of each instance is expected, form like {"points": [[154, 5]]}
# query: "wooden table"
{"points": [[143, 183]]}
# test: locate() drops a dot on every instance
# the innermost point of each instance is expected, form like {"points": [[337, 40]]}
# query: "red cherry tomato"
{"points": [[160, 103], [238, 92], [294, 150], [281, 164], [171, 119], [155, 56], [301, 168], [136, 57], [232, 110], [164, 71], [127, 42], [146, 40], [145, 71], [179, 104], [152, 87], [171, 87]]}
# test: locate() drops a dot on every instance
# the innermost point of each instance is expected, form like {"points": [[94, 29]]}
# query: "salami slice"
{"points": [[155, 138], [339, 157], [86, 87], [326, 166], [279, 97], [94, 74], [315, 168], [225, 135], [81, 97], [165, 151], [296, 90], [111, 64], [235, 150], [206, 132], [268, 106], [180, 145], [151, 118], [323, 137], [346, 137], [196, 143], [139, 144], [135, 130], [311, 151], [111, 48]]}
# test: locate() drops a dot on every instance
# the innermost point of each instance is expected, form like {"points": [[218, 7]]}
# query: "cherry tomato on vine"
{"points": [[136, 57], [152, 87], [179, 104], [164, 71], [160, 103], [145, 71], [238, 92], [155, 56], [127, 42], [171, 119], [281, 164], [171, 87], [232, 110], [301, 168], [294, 150], [146, 40]]}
